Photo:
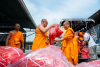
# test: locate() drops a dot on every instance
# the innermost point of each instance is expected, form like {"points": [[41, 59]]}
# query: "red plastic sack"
{"points": [[85, 53], [54, 32], [85, 50], [85, 56], [95, 63], [17, 58], [79, 43], [52, 35], [56, 27], [51, 56], [59, 32], [7, 54]]}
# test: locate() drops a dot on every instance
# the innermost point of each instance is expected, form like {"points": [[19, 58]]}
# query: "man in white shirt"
{"points": [[91, 45]]}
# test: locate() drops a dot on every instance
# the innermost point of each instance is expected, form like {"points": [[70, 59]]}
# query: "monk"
{"points": [[81, 35], [76, 48], [67, 42], [41, 38], [15, 38]]}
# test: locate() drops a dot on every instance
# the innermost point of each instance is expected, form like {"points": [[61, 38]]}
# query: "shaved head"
{"points": [[76, 33], [44, 22], [66, 24], [17, 24]]}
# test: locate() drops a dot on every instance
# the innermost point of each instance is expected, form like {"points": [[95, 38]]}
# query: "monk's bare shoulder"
{"points": [[39, 26], [11, 32]]}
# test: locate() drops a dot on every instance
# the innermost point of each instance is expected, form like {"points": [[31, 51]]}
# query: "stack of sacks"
{"points": [[54, 32], [85, 53], [7, 54], [51, 56], [79, 43], [95, 63]]}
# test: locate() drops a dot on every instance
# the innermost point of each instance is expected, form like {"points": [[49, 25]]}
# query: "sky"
{"points": [[55, 10]]}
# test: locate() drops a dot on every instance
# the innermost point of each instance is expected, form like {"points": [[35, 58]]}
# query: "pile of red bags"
{"points": [[95, 63], [54, 32], [51, 56], [79, 43], [7, 54], [85, 53]]}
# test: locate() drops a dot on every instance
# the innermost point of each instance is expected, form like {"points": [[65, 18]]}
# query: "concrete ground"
{"points": [[27, 51]]}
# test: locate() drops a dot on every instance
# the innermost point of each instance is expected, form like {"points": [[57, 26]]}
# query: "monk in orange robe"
{"points": [[67, 42], [81, 35], [15, 38], [41, 38], [76, 48]]}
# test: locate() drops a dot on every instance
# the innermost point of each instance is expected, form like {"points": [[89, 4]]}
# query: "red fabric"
{"points": [[52, 35], [51, 56], [95, 63], [56, 27], [8, 53], [54, 32], [17, 58], [59, 33], [85, 53], [79, 43]]}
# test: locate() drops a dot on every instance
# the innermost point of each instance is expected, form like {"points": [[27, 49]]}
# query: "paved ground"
{"points": [[27, 51]]}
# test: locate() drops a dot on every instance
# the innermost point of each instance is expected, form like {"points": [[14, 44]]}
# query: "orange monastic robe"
{"points": [[40, 40], [16, 39], [81, 36], [76, 50], [67, 45]]}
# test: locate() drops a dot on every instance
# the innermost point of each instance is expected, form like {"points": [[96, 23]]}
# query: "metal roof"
{"points": [[14, 11], [96, 17], [78, 24]]}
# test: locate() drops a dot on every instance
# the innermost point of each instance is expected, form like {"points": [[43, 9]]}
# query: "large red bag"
{"points": [[59, 32], [85, 53], [52, 35], [51, 56], [95, 63], [7, 54], [54, 32], [17, 58], [79, 43]]}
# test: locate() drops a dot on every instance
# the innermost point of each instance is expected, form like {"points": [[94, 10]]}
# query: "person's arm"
{"points": [[40, 27], [61, 39], [8, 37], [22, 41], [83, 44], [23, 46], [80, 39], [86, 37]]}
